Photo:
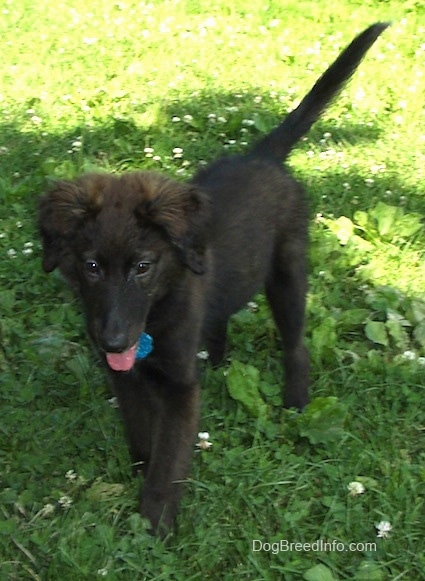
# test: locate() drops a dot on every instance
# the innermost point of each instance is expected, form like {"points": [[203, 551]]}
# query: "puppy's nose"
{"points": [[114, 338], [116, 343]]}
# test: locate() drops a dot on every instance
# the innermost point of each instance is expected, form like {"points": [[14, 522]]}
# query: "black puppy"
{"points": [[157, 260]]}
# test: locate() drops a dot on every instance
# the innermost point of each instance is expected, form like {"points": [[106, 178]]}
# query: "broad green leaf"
{"points": [[417, 311], [343, 228], [398, 318], [105, 490], [386, 217], [8, 527], [362, 219], [323, 337], [409, 225], [376, 331], [398, 334], [262, 123], [352, 317], [419, 334], [323, 420], [243, 384], [384, 298], [319, 573]]}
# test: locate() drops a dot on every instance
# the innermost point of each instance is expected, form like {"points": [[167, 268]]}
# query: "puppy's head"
{"points": [[122, 243], [179, 210]]}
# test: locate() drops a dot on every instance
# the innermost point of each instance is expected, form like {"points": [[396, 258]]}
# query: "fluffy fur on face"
{"points": [[179, 209]]}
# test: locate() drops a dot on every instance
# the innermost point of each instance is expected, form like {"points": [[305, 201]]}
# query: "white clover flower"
{"points": [[188, 118], [177, 152], [356, 488], [90, 40], [11, 253], [65, 502], [47, 510], [71, 475], [203, 355], [204, 443], [252, 306], [384, 528], [175, 119], [113, 402], [248, 122], [409, 355], [102, 572]]}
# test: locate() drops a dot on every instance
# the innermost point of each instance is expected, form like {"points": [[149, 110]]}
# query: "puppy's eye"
{"points": [[142, 268], [92, 267]]}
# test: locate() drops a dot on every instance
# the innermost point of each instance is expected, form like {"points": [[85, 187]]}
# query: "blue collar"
{"points": [[145, 346]]}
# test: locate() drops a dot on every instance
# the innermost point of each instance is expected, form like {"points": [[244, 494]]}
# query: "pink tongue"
{"points": [[122, 361]]}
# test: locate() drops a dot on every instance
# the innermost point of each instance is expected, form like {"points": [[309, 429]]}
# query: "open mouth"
{"points": [[122, 361]]}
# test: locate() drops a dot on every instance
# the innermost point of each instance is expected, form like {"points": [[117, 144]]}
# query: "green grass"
{"points": [[120, 85]]}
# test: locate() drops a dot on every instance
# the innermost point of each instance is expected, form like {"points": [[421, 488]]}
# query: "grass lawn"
{"points": [[168, 85]]}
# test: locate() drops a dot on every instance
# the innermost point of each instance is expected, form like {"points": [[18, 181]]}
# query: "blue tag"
{"points": [[145, 346]]}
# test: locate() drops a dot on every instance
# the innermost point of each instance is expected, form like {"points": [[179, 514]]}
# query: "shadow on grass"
{"points": [[31, 158], [29, 155]]}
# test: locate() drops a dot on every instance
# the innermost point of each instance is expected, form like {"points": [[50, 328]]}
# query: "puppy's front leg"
{"points": [[161, 419], [173, 435]]}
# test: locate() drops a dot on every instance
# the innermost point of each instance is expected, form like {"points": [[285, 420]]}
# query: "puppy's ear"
{"points": [[192, 240], [61, 211], [183, 212]]}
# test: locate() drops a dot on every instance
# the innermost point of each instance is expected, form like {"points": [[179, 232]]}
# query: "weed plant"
{"points": [[334, 493]]}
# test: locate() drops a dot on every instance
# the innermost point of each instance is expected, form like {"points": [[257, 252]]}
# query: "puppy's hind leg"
{"points": [[286, 291], [215, 341]]}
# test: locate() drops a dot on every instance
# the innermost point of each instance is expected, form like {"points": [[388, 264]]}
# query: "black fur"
{"points": [[145, 253]]}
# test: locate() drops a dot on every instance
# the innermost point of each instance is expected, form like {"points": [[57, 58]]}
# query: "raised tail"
{"points": [[281, 140]]}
